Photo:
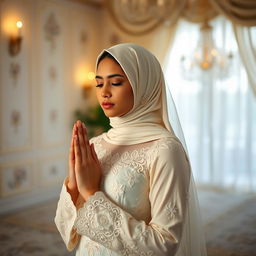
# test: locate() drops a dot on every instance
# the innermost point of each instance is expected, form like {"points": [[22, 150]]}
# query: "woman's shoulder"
{"points": [[167, 144], [167, 148], [170, 155]]}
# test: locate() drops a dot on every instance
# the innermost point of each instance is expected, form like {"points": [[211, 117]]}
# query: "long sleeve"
{"points": [[66, 214], [108, 224]]}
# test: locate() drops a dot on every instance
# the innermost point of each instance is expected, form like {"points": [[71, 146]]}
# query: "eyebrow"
{"points": [[110, 76]]}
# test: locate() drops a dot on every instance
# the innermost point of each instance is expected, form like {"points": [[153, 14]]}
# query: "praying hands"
{"points": [[84, 167]]}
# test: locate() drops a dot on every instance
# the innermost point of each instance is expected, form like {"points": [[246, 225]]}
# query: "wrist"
{"points": [[87, 194]]}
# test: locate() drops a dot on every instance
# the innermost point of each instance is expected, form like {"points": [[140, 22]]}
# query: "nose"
{"points": [[106, 92]]}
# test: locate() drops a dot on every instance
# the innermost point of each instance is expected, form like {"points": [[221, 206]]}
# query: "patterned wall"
{"points": [[38, 94]]}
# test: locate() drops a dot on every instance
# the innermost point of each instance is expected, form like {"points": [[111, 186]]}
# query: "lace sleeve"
{"points": [[108, 224], [66, 214]]}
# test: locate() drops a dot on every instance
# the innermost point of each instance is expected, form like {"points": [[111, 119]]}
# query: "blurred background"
{"points": [[48, 48]]}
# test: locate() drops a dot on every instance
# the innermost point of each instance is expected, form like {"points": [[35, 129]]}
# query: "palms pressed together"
{"points": [[84, 167]]}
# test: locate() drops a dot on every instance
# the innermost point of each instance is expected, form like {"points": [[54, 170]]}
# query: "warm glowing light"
{"points": [[91, 76], [19, 24], [205, 65], [214, 52], [80, 76], [84, 78], [11, 25]]}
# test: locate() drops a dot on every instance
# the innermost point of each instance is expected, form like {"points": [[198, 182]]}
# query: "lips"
{"points": [[107, 105]]}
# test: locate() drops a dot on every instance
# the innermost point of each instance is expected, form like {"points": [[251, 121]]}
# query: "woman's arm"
{"points": [[65, 217], [108, 224]]}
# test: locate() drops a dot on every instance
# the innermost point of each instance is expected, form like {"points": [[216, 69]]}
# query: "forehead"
{"points": [[108, 65]]}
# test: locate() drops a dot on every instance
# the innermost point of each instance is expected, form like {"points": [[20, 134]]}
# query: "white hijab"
{"points": [[148, 119]]}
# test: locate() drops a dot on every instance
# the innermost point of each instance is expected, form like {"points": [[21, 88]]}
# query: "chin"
{"points": [[112, 113], [109, 114]]}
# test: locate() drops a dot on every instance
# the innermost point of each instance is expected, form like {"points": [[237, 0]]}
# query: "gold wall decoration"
{"points": [[15, 71], [15, 119]]}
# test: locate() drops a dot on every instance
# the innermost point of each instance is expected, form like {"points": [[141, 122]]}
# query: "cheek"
{"points": [[130, 99]]}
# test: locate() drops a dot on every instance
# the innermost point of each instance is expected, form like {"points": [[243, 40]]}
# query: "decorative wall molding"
{"points": [[53, 170], [16, 178], [52, 24], [15, 83], [38, 95]]}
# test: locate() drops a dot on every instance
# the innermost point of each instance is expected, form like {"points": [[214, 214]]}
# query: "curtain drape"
{"points": [[217, 115], [241, 12], [247, 51], [157, 41]]}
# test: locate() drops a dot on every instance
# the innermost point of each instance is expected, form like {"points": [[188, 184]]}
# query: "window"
{"points": [[217, 111]]}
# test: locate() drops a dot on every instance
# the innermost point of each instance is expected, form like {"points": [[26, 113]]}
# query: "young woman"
{"points": [[130, 191]]}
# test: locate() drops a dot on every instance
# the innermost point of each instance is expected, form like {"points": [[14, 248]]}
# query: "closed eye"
{"points": [[116, 84]]}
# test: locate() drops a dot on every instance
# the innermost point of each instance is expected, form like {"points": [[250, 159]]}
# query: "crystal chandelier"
{"points": [[206, 57]]}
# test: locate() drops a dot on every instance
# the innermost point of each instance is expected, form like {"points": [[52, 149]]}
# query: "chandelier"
{"points": [[140, 17], [206, 57]]}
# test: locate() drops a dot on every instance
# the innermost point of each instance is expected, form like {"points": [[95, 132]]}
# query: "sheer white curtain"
{"points": [[246, 40], [218, 115]]}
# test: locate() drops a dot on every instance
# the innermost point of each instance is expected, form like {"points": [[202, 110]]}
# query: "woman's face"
{"points": [[113, 91]]}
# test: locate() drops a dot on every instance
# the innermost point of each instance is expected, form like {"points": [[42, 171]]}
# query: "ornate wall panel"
{"points": [[51, 73], [15, 82], [39, 94], [80, 39], [16, 179], [53, 170]]}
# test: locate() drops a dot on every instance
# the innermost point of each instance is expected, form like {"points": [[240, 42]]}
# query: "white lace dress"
{"points": [[140, 208]]}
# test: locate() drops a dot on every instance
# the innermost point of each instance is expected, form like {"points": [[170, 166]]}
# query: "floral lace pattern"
{"points": [[100, 151], [109, 221], [171, 210], [91, 247], [132, 250], [99, 220], [125, 178]]}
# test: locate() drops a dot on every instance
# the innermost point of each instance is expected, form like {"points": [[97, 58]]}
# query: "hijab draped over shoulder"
{"points": [[148, 119]]}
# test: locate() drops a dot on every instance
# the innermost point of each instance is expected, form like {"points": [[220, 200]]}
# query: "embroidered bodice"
{"points": [[140, 208]]}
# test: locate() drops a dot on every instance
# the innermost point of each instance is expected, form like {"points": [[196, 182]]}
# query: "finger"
{"points": [[81, 141], [85, 133], [76, 129], [77, 151], [86, 141], [71, 150]]}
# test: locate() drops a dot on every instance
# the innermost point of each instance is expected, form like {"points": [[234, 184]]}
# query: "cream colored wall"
{"points": [[37, 104]]}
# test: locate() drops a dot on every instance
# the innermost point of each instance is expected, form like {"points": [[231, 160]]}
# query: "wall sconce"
{"points": [[88, 83], [15, 41]]}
